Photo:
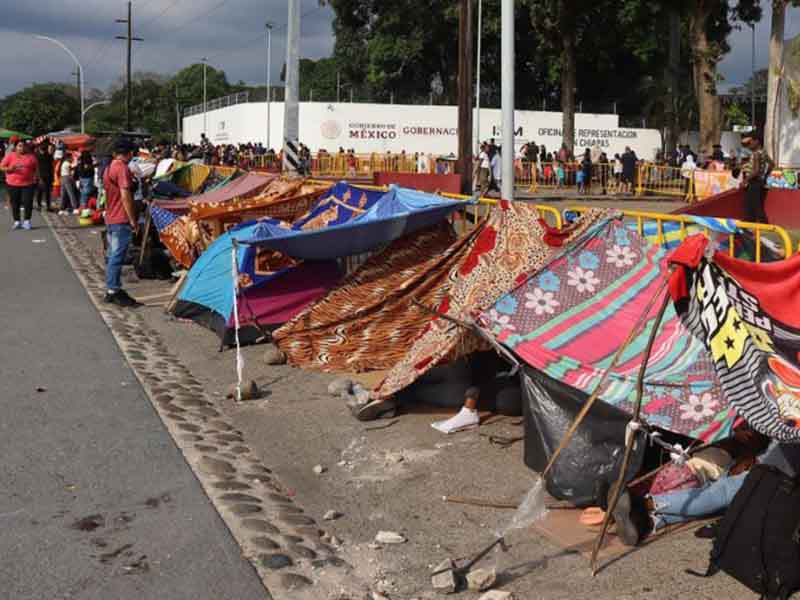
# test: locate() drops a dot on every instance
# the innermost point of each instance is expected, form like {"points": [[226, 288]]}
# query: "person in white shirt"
{"points": [[482, 170], [423, 166], [69, 194], [497, 169]]}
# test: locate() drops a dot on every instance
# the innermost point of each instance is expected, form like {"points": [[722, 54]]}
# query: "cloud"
{"points": [[176, 34], [231, 33]]}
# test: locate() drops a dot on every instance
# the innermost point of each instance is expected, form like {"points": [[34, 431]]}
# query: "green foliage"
{"points": [[318, 76], [735, 115], [39, 109]]}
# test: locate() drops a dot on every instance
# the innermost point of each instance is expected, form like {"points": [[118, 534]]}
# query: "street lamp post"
{"points": [[507, 93], [205, 103], [269, 78], [753, 81], [477, 140], [91, 106], [80, 72]]}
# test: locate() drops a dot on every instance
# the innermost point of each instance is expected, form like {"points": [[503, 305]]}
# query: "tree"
{"points": [[317, 79], [710, 22], [777, 30], [40, 108], [189, 82]]}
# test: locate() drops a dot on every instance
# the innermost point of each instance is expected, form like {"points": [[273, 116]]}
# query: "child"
{"points": [[560, 174], [579, 179]]}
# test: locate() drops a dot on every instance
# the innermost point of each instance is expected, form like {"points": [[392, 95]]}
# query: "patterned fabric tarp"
{"points": [[250, 184], [509, 244], [748, 316], [370, 320], [272, 201], [341, 204], [398, 212], [270, 279], [192, 177], [569, 319]]}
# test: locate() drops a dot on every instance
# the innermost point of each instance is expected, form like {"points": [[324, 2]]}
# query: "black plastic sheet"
{"points": [[595, 451]]}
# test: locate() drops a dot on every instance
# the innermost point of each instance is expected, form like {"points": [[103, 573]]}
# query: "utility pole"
{"points": [[291, 106], [465, 58], [205, 97], [177, 116], [270, 25], [130, 39], [77, 73], [753, 87], [477, 140], [507, 96]]}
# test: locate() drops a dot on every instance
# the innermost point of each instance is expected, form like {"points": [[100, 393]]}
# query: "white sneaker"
{"points": [[76, 212], [61, 213], [27, 225], [16, 225], [465, 419]]}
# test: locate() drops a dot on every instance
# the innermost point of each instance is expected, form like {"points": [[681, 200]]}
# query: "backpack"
{"points": [[758, 539]]}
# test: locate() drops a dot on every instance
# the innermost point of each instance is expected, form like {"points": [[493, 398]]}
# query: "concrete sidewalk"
{"points": [[96, 501]]}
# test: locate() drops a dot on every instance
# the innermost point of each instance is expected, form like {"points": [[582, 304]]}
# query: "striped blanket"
{"points": [[569, 319], [747, 316]]}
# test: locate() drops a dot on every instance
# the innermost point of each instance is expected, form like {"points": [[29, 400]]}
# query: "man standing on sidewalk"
{"points": [[756, 172], [121, 221]]}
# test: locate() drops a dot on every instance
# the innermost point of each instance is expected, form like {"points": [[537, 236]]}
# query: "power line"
{"points": [[200, 16], [261, 35], [159, 15]]}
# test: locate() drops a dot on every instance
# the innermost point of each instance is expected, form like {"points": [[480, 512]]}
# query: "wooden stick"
{"points": [[596, 393], [481, 502], [617, 489], [145, 237], [166, 294], [175, 289]]}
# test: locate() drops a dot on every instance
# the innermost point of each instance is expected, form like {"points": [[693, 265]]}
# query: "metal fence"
{"points": [[231, 100], [686, 224]]}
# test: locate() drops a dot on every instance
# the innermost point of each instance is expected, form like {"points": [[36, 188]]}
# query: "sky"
{"points": [[231, 33]]}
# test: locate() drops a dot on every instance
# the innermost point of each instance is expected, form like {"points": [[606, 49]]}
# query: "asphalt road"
{"points": [[78, 439]]}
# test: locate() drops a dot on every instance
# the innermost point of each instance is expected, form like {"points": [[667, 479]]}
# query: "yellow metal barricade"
{"points": [[664, 181], [484, 207], [685, 222], [366, 165]]}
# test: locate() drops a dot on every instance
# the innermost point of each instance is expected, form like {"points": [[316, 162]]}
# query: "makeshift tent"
{"points": [[399, 212], [569, 319], [207, 295], [566, 322], [748, 317], [247, 185], [370, 320], [283, 199], [71, 140], [513, 242]]}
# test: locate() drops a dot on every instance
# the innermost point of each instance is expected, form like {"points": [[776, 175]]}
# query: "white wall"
{"points": [[431, 129], [788, 127]]}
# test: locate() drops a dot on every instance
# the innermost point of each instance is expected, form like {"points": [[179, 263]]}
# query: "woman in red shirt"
{"points": [[20, 168]]}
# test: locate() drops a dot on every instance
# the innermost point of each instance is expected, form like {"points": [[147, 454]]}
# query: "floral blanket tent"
{"points": [[568, 319]]}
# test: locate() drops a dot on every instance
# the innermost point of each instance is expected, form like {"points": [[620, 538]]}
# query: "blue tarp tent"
{"points": [[398, 212], [207, 295]]}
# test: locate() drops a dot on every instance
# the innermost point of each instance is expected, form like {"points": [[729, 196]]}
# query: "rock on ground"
{"points": [[340, 386], [481, 580], [389, 537], [274, 356], [497, 595]]}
